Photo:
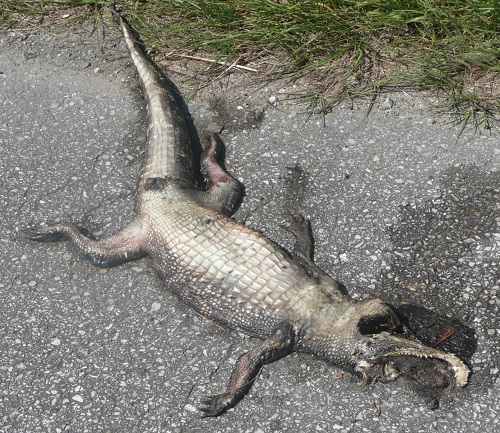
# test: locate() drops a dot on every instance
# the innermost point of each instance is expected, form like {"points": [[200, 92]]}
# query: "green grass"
{"points": [[348, 49]]}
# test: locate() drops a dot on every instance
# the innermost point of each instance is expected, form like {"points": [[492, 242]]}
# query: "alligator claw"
{"points": [[48, 234], [298, 224], [215, 405], [300, 227]]}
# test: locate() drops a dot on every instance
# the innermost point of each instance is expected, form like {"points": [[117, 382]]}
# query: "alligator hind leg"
{"points": [[124, 246], [224, 190], [277, 345]]}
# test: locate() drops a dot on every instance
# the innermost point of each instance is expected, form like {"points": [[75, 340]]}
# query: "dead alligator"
{"points": [[236, 277]]}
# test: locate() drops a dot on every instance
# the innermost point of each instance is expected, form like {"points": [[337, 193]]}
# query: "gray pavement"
{"points": [[401, 208]]}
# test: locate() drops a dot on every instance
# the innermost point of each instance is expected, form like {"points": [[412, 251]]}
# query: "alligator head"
{"points": [[379, 356], [360, 337]]}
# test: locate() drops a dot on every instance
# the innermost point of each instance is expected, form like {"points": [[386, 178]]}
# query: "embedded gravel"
{"points": [[401, 205]]}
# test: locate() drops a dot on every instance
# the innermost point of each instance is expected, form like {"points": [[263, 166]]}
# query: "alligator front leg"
{"points": [[124, 246], [248, 366], [303, 250]]}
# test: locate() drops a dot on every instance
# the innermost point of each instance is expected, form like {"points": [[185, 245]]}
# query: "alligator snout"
{"points": [[384, 357]]}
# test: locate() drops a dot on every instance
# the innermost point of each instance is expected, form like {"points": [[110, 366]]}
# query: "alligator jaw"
{"points": [[383, 357]]}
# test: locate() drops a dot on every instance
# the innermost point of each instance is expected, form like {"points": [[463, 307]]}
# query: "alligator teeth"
{"points": [[457, 365]]}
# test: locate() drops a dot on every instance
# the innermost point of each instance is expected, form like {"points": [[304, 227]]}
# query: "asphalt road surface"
{"points": [[401, 208]]}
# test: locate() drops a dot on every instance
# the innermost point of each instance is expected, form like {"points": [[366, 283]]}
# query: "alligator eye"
{"points": [[376, 324]]}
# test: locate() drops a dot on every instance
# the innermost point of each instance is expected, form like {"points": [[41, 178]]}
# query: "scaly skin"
{"points": [[233, 275]]}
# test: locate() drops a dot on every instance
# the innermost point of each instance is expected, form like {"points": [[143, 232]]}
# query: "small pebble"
{"points": [[388, 103], [78, 398]]}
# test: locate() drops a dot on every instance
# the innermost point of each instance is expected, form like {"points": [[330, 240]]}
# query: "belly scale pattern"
{"points": [[224, 270]]}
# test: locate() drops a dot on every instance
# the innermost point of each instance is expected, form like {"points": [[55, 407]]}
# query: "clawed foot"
{"points": [[47, 234], [216, 405], [298, 225], [300, 228], [303, 250]]}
